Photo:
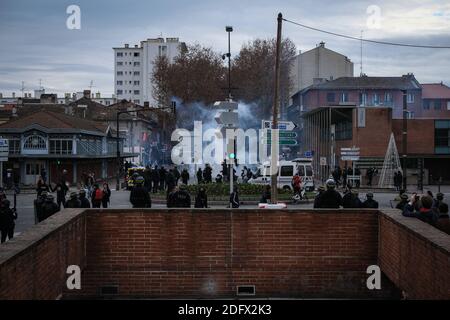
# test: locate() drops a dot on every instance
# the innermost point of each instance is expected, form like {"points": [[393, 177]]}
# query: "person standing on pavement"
{"points": [[73, 202], [49, 208], [185, 176], [234, 198], [60, 195], [83, 200], [155, 179], [107, 195], [370, 202], [97, 196], [139, 197], [199, 176], [201, 199], [182, 198], [330, 198], [177, 175], [162, 178], [266, 195], [38, 204], [7, 218]]}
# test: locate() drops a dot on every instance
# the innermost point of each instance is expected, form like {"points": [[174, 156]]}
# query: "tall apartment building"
{"points": [[316, 65], [133, 67]]}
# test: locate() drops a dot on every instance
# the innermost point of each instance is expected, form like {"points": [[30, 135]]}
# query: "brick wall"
{"points": [[420, 136], [210, 252], [415, 256], [33, 265]]}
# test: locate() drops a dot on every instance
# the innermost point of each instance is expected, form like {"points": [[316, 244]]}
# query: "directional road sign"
{"points": [[282, 125]]}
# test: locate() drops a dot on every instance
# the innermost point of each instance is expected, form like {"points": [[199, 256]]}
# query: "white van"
{"points": [[287, 170]]}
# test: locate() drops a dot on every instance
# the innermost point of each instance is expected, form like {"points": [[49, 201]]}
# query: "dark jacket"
{"points": [[426, 215], [370, 203], [234, 200], [351, 200], [185, 176], [84, 202], [201, 200], [38, 203], [330, 199], [266, 196], [170, 181], [7, 217], [140, 198], [182, 199], [73, 203], [49, 208]]}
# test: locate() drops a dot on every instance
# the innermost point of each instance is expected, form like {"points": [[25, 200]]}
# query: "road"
{"points": [[120, 199]]}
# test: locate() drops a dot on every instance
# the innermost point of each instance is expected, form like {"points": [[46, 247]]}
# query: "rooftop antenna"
{"points": [[361, 64], [22, 89], [91, 85], [40, 84]]}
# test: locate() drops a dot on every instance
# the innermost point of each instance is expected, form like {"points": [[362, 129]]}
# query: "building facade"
{"points": [[318, 64], [55, 141], [133, 67]]}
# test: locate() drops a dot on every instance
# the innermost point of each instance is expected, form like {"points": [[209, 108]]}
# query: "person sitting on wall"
{"points": [[423, 211]]}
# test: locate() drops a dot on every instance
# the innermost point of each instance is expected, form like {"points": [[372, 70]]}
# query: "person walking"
{"points": [[107, 195], [162, 178], [201, 199], [7, 218], [60, 195]]}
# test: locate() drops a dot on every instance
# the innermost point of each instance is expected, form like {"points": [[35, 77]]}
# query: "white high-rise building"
{"points": [[133, 67]]}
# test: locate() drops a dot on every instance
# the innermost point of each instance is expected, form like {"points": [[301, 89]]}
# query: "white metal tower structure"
{"points": [[391, 165]]}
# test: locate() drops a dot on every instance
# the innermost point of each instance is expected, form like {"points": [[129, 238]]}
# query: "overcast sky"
{"points": [[36, 43]]}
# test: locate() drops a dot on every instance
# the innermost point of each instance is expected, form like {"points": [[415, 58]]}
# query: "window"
{"points": [[343, 130], [35, 142], [136, 83], [344, 97], [375, 99], [32, 169], [107, 103], [301, 170], [120, 73], [119, 92], [331, 97], [287, 171], [136, 73], [136, 92], [410, 98], [60, 146], [388, 97], [136, 54], [14, 146], [136, 101], [162, 50], [119, 54], [437, 104], [363, 99], [136, 63], [119, 63], [448, 105], [426, 104], [442, 136], [119, 82]]}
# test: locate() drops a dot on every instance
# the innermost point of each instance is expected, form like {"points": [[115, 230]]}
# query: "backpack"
{"points": [[98, 194]]}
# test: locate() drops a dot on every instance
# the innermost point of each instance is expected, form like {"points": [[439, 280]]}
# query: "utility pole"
{"points": [[405, 138], [229, 29], [274, 151]]}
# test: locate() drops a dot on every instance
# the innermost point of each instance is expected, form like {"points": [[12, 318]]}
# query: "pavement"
{"points": [[120, 199]]}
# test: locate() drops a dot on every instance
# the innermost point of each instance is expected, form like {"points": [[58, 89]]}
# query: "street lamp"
{"points": [[229, 29]]}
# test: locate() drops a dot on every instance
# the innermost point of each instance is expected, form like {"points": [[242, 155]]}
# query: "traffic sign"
{"points": [[227, 118], [350, 154], [229, 105], [290, 142], [309, 154], [282, 125], [283, 134]]}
